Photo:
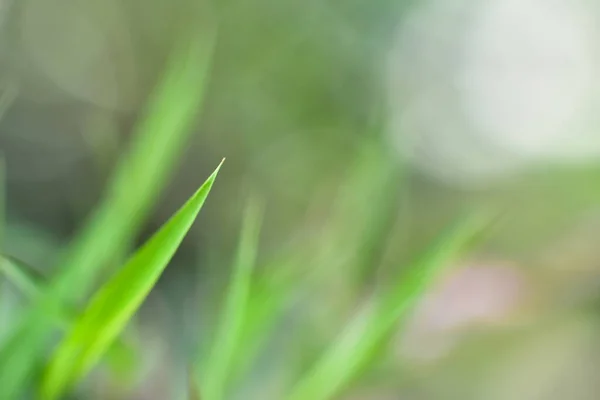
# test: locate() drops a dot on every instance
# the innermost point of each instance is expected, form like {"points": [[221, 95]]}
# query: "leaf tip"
{"points": [[219, 167], [214, 174]]}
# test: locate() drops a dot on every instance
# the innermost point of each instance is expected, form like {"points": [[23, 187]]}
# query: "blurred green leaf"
{"points": [[340, 364], [142, 175], [269, 298], [31, 283], [358, 230], [218, 367], [138, 180], [116, 302], [23, 276], [355, 240]]}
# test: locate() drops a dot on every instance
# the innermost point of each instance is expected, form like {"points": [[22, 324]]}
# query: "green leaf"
{"points": [[158, 143], [229, 334], [141, 176], [28, 281], [31, 283], [270, 297], [116, 302], [365, 333]]}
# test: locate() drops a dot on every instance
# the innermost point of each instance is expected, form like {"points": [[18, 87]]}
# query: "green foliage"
{"points": [[30, 283], [116, 302], [138, 181], [228, 336], [341, 260], [339, 365]]}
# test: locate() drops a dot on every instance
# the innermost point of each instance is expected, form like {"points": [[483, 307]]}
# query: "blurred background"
{"points": [[366, 127]]}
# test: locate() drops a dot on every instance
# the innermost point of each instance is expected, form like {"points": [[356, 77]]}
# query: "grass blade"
{"points": [[31, 283], [141, 176], [364, 335], [269, 299], [23, 277], [227, 339], [26, 279], [116, 302]]}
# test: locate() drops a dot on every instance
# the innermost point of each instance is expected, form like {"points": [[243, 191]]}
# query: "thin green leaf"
{"points": [[116, 302], [269, 299], [23, 276], [339, 365], [219, 365], [141, 176], [31, 283]]}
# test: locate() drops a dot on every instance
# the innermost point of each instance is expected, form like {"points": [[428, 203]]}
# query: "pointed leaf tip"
{"points": [[214, 174]]}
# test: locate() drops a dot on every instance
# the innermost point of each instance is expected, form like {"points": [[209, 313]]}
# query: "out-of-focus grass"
{"points": [[304, 267], [32, 284], [23, 277], [137, 182], [357, 230], [332, 270], [228, 339], [338, 259], [334, 260], [339, 365]]}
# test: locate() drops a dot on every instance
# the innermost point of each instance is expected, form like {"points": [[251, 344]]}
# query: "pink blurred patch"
{"points": [[479, 293]]}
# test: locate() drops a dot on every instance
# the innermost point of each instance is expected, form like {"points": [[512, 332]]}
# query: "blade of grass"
{"points": [[31, 283], [219, 364], [159, 140], [358, 227], [339, 365], [24, 277], [142, 175], [116, 302], [270, 297]]}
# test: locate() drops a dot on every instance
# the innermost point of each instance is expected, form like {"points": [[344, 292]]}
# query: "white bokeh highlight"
{"points": [[480, 90]]}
